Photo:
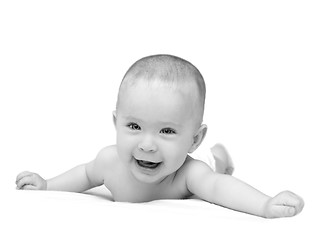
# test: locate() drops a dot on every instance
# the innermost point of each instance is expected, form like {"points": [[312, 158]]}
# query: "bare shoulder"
{"points": [[107, 155], [103, 164], [196, 172], [193, 167]]}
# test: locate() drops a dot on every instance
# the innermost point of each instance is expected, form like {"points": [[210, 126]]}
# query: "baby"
{"points": [[158, 120]]}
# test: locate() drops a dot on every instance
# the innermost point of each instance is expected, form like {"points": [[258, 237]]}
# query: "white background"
{"points": [[61, 63]]}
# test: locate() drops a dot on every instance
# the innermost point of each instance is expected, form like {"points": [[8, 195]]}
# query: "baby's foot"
{"points": [[223, 161]]}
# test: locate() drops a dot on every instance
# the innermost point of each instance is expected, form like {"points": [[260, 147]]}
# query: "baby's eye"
{"points": [[168, 131], [134, 126]]}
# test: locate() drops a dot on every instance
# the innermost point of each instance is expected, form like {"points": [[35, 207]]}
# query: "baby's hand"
{"points": [[285, 204], [30, 181]]}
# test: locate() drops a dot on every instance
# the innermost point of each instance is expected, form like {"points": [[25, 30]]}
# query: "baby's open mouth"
{"points": [[148, 164]]}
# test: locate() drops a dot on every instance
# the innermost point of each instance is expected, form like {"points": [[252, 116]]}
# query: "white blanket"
{"points": [[64, 215]]}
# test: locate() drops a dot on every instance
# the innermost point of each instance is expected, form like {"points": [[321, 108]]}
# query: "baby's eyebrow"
{"points": [[161, 123], [131, 118], [172, 124]]}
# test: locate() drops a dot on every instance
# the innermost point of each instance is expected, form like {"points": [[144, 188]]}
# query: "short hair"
{"points": [[168, 69]]}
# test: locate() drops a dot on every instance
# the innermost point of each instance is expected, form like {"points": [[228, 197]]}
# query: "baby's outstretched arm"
{"points": [[74, 180], [232, 193], [78, 179]]}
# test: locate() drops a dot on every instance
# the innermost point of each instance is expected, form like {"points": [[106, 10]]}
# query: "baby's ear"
{"points": [[114, 113], [198, 138]]}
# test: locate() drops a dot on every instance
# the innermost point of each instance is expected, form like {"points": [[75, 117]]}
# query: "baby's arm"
{"points": [[78, 179], [232, 193]]}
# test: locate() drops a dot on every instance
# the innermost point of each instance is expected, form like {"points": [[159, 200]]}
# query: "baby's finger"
{"points": [[29, 187], [28, 180], [22, 175], [287, 198], [295, 201], [283, 211], [299, 204]]}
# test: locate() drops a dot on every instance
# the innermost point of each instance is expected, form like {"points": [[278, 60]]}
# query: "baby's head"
{"points": [[159, 115], [170, 71]]}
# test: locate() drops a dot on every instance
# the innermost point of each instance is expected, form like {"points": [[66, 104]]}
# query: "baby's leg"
{"points": [[223, 161]]}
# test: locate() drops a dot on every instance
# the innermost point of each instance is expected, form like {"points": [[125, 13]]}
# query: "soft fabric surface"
{"points": [[64, 215]]}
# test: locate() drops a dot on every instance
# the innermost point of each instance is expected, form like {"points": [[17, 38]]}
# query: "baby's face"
{"points": [[155, 130]]}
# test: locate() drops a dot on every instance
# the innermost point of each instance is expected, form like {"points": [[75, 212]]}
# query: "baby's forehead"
{"points": [[187, 88], [153, 89], [187, 91]]}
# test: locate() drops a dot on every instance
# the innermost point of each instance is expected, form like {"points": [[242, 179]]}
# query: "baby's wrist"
{"points": [[45, 186], [265, 208]]}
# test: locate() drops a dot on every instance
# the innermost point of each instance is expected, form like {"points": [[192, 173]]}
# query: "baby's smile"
{"points": [[147, 166]]}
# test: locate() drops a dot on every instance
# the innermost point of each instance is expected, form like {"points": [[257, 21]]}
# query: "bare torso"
{"points": [[126, 188]]}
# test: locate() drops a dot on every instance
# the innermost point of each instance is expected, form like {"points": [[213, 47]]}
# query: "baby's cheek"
{"points": [[124, 145], [176, 155]]}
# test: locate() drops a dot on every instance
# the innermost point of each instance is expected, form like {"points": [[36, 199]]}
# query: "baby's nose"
{"points": [[147, 144]]}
